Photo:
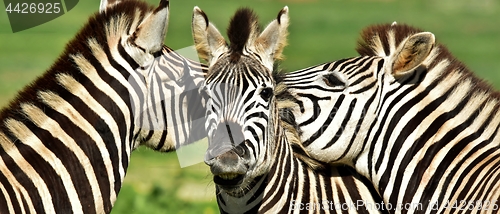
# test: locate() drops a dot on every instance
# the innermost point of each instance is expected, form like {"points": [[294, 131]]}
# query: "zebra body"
{"points": [[65, 141], [410, 117], [252, 153]]}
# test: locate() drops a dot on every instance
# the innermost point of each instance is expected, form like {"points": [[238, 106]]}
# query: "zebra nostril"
{"points": [[217, 149], [240, 151]]}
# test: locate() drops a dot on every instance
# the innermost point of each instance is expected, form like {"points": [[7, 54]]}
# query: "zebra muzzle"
{"points": [[227, 156], [228, 169]]}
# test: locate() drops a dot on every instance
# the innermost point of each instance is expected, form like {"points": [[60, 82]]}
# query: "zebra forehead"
{"points": [[245, 69]]}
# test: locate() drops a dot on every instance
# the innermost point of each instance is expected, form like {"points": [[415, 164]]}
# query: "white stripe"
{"points": [[44, 122], [25, 136], [78, 90], [18, 189]]}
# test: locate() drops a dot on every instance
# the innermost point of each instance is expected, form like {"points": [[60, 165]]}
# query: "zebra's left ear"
{"points": [[411, 54], [209, 42], [273, 39], [150, 34]]}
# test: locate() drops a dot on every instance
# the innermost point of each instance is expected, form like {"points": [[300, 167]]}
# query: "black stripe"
{"points": [[259, 192], [347, 118], [361, 121], [361, 79], [251, 145], [345, 63], [100, 125], [354, 67], [318, 87], [21, 177], [10, 191], [327, 122], [451, 175], [473, 164], [87, 144], [279, 189], [316, 108], [26, 206], [124, 55], [432, 151], [410, 127], [57, 191], [258, 115], [364, 89], [398, 115]]}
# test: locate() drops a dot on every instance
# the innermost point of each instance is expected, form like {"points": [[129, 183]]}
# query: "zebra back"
{"points": [[410, 117]]}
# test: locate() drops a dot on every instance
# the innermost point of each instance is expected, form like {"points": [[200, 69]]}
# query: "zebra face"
{"points": [[240, 100], [330, 103], [347, 97], [238, 121]]}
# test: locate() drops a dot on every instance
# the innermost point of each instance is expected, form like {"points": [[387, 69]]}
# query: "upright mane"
{"points": [[244, 26], [378, 39], [382, 40]]}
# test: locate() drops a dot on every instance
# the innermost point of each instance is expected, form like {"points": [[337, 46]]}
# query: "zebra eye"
{"points": [[266, 93], [332, 80]]}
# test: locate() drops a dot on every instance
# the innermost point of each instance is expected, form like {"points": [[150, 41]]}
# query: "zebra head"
{"points": [[239, 88], [347, 96], [163, 84]]}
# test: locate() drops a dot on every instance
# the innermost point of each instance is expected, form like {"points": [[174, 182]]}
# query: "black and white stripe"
{"points": [[253, 155], [65, 141], [408, 116]]}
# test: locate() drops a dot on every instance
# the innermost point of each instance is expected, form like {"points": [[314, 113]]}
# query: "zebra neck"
{"points": [[425, 144], [170, 111], [70, 126]]}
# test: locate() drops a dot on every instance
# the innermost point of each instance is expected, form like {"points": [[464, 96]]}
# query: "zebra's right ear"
{"points": [[209, 42], [150, 34], [411, 54]]}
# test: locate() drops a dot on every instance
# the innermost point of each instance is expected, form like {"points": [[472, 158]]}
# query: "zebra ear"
{"points": [[209, 42], [273, 39], [150, 34], [412, 53]]}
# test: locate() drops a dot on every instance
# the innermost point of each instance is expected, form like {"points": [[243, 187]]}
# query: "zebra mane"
{"points": [[98, 27], [243, 27], [383, 40], [285, 102]]}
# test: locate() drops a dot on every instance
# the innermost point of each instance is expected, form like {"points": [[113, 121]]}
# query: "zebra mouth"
{"points": [[228, 179]]}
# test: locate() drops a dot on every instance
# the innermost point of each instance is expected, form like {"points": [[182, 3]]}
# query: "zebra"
{"points": [[66, 139], [408, 116], [256, 159], [350, 188]]}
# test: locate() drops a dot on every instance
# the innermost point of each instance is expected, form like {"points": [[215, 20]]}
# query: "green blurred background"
{"points": [[320, 31]]}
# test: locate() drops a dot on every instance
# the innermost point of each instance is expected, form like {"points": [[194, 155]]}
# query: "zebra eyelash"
{"points": [[333, 80]]}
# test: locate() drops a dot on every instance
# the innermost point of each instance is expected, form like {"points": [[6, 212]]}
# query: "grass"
{"points": [[320, 31]]}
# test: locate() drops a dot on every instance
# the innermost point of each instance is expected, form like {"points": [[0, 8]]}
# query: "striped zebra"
{"points": [[408, 116], [256, 159], [66, 139]]}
